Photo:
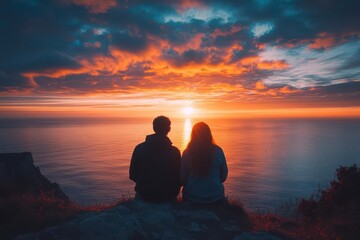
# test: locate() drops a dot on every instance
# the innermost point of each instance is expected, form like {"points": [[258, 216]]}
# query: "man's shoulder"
{"points": [[140, 146], [175, 149]]}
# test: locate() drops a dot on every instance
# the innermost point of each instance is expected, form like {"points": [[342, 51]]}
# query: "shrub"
{"points": [[343, 193], [338, 205]]}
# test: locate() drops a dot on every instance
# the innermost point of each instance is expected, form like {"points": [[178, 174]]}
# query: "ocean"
{"points": [[271, 161]]}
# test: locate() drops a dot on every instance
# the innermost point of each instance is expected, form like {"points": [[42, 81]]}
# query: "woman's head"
{"points": [[201, 134], [200, 149]]}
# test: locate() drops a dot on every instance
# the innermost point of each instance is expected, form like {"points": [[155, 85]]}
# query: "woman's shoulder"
{"points": [[218, 149], [185, 153]]}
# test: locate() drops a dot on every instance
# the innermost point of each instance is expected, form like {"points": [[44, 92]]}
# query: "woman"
{"points": [[203, 167]]}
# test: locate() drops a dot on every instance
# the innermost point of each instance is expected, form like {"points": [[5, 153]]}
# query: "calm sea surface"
{"points": [[270, 161]]}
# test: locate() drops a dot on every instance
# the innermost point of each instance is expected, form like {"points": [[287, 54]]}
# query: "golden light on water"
{"points": [[186, 133]]}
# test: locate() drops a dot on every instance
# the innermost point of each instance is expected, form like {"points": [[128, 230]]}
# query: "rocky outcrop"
{"points": [[130, 220], [18, 175], [139, 220]]}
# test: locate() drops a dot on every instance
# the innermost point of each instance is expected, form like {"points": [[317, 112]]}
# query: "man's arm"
{"points": [[134, 165], [178, 166]]}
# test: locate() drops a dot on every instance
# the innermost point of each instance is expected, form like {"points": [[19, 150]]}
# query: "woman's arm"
{"points": [[185, 167], [223, 166]]}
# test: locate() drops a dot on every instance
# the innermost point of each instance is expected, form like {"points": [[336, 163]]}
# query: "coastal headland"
{"points": [[32, 208]]}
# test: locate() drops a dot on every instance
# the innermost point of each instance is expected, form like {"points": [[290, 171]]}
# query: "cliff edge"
{"points": [[30, 203], [18, 175], [140, 220]]}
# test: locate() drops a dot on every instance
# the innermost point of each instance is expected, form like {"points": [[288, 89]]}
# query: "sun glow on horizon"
{"points": [[188, 111]]}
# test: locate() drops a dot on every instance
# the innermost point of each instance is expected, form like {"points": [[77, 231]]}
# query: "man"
{"points": [[155, 165]]}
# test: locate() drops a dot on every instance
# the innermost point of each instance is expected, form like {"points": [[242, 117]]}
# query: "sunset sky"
{"points": [[144, 58]]}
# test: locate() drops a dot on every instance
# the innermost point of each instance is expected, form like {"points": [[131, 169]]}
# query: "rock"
{"points": [[29, 236], [16, 167], [257, 236], [18, 175], [204, 215], [196, 227], [161, 218], [111, 225], [197, 215], [139, 220], [230, 227], [167, 235], [131, 220], [121, 210]]}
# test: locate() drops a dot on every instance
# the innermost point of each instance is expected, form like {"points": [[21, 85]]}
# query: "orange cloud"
{"points": [[264, 65], [186, 4], [120, 60], [323, 41], [109, 65], [271, 92], [204, 70], [273, 65], [153, 67], [193, 43], [220, 32], [260, 46], [250, 60], [287, 90], [54, 73], [262, 89], [260, 85], [95, 6]]}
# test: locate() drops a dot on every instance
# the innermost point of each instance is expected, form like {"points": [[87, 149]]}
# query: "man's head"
{"points": [[161, 125]]}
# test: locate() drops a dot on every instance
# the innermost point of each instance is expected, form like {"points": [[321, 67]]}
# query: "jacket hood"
{"points": [[157, 139]]}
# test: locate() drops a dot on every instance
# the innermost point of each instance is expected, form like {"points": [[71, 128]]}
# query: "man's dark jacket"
{"points": [[155, 167]]}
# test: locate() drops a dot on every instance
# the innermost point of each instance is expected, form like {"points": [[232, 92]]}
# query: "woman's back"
{"points": [[204, 188]]}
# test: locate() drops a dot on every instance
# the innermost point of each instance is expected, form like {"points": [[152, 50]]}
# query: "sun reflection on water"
{"points": [[186, 133]]}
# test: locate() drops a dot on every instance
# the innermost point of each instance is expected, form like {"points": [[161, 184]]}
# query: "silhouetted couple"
{"points": [[159, 170]]}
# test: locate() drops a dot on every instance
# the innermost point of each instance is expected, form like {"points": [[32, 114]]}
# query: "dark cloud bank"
{"points": [[72, 45]]}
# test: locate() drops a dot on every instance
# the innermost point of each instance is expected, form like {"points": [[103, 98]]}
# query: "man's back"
{"points": [[155, 167]]}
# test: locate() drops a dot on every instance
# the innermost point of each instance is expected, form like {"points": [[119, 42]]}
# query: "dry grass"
{"points": [[22, 213], [334, 213]]}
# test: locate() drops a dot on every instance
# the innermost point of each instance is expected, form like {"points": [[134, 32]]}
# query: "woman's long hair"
{"points": [[200, 149]]}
